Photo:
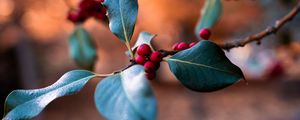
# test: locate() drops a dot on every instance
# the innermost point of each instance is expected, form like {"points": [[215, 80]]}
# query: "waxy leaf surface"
{"points": [[204, 68], [26, 104], [126, 96]]}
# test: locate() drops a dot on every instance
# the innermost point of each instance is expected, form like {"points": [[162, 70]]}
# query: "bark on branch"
{"points": [[268, 31]]}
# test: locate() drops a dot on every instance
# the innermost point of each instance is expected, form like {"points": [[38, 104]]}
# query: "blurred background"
{"points": [[34, 54]]}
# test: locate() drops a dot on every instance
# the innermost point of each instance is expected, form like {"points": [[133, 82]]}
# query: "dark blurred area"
{"points": [[34, 54]]}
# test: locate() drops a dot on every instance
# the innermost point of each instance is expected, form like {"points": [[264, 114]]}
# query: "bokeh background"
{"points": [[34, 54]]}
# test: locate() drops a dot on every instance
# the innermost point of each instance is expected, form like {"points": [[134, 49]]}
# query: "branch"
{"points": [[166, 53], [115, 72], [104, 75], [268, 31], [233, 44]]}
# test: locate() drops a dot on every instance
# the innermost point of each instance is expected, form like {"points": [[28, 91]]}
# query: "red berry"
{"points": [[88, 5], [99, 1], [91, 8], [276, 70], [149, 66], [140, 60], [205, 33], [100, 14], [175, 46], [75, 16], [183, 46], [144, 50], [193, 43], [156, 57], [150, 75], [87, 9]]}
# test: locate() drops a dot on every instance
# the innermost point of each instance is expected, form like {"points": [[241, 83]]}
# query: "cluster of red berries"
{"points": [[150, 60], [87, 9], [183, 45], [204, 34]]}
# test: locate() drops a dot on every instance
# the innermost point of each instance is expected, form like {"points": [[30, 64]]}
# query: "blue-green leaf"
{"points": [[26, 104], [144, 38], [122, 17], [204, 67], [82, 48], [210, 14], [126, 96]]}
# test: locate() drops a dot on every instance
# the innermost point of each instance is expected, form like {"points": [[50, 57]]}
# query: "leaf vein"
{"points": [[200, 65]]}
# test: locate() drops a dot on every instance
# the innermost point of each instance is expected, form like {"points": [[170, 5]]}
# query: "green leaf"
{"points": [[126, 96], [26, 104], [210, 14], [122, 17], [204, 67], [144, 38], [82, 49]]}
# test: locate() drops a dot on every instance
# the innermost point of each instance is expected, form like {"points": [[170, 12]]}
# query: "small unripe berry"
{"points": [[149, 66], [156, 56], [175, 46], [144, 50], [183, 46], [205, 33], [140, 60], [193, 43], [150, 75]]}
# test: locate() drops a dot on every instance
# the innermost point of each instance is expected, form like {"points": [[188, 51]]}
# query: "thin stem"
{"points": [[104, 75], [130, 51], [166, 53], [268, 31], [113, 73]]}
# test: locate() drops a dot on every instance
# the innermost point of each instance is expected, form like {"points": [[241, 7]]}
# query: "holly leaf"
{"points": [[26, 104], [144, 38], [126, 96], [204, 68], [122, 17], [210, 14], [82, 50]]}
